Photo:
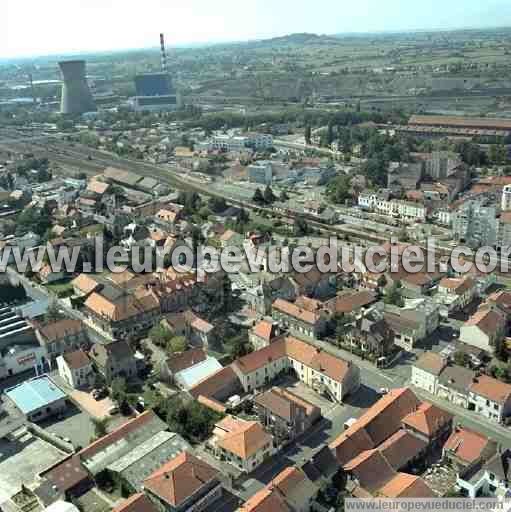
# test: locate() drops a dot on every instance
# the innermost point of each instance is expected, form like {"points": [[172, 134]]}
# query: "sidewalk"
{"points": [[469, 418]]}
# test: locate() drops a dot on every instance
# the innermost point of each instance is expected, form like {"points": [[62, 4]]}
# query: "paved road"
{"points": [[469, 419]]}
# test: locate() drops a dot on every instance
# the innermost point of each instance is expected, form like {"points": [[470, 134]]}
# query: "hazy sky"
{"points": [[38, 27]]}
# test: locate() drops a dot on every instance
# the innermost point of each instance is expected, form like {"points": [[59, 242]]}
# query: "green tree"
{"points": [[268, 195], [100, 427], [301, 228], [394, 295], [258, 197], [217, 204], [160, 335], [177, 344], [284, 196], [308, 135], [119, 392], [461, 359], [339, 189]]}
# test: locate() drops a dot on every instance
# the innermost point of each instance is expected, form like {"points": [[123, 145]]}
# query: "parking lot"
{"points": [[76, 426], [96, 408]]}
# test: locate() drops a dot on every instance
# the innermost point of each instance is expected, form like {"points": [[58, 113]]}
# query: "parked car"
{"points": [[113, 410], [99, 394]]}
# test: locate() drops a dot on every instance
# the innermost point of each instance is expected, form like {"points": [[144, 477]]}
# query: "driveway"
{"points": [[96, 408]]}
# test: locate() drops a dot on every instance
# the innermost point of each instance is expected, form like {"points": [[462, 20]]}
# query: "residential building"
{"points": [[457, 293], [218, 387], [263, 333], [84, 285], [260, 172], [490, 398], [47, 275], [370, 333], [264, 500], [397, 432], [62, 336], [37, 398], [184, 483], [426, 371], [76, 369], [442, 164], [299, 321], [121, 314], [404, 176], [504, 234], [352, 302], [176, 363], [475, 224], [430, 424], [114, 360], [290, 490], [467, 452], [318, 369], [137, 502], [485, 329], [454, 383], [506, 199], [376, 425], [189, 368], [284, 414], [409, 326], [406, 210], [244, 444]]}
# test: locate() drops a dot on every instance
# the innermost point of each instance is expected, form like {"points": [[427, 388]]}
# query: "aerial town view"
{"points": [[255, 256]]}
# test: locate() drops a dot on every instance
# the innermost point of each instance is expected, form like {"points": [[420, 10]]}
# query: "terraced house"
{"points": [[299, 320], [321, 371], [120, 314]]}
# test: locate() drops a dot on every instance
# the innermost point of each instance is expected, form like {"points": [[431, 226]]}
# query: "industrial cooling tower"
{"points": [[76, 95]]}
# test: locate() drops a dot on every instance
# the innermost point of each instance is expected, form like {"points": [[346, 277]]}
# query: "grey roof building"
{"points": [[146, 458], [120, 442]]}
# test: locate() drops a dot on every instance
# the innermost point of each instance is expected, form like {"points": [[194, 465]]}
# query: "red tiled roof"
{"points": [[264, 329], [488, 320], [243, 438], [491, 388], [290, 309], [266, 500], [184, 360], [67, 473], [60, 329], [77, 359], [210, 386], [180, 478], [375, 426], [139, 502], [371, 469], [466, 445], [404, 485], [298, 350], [428, 419], [402, 447]]}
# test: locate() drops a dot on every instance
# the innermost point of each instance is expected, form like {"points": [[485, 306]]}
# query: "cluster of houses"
{"points": [[463, 387]]}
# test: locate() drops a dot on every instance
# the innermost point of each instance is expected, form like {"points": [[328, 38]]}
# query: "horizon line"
{"points": [[206, 44]]}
